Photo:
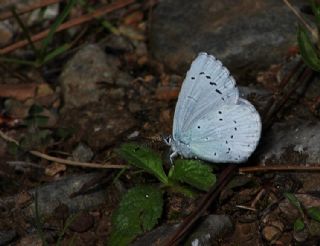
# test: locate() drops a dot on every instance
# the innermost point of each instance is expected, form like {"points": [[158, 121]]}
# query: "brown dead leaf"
{"points": [[23, 198], [268, 78], [132, 33], [45, 95], [148, 78], [166, 93], [54, 169], [133, 18], [20, 92]]}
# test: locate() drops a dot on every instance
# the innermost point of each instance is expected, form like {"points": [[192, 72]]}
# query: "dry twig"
{"points": [[63, 161], [287, 168], [72, 23], [75, 163], [313, 31]]}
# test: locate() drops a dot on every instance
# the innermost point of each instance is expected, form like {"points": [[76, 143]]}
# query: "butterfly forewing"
{"points": [[207, 85]]}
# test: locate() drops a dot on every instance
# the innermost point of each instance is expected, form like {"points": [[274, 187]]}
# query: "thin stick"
{"points": [[202, 207], [7, 138], [75, 163], [246, 208], [303, 21], [63, 161], [278, 168], [37, 5], [74, 22]]}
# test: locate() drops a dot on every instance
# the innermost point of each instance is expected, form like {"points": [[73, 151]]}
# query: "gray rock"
{"points": [[245, 35], [256, 95], [83, 74], [82, 153], [292, 141], [117, 44], [155, 236], [7, 236], [53, 194], [213, 228]]}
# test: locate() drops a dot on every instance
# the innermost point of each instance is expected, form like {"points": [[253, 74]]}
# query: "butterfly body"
{"points": [[211, 122]]}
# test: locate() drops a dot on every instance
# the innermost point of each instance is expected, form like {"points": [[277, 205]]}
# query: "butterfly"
{"points": [[211, 122]]}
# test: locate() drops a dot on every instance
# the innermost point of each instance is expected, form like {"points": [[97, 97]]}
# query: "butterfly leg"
{"points": [[172, 156]]}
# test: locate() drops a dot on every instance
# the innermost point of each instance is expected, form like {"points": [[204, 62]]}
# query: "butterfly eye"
{"points": [[167, 140]]}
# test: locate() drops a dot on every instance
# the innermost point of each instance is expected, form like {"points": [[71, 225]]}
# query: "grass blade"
{"points": [[308, 51], [56, 52], [55, 25], [25, 31]]}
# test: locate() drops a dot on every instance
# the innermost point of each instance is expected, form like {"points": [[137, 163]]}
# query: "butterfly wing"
{"points": [[229, 133], [207, 86]]}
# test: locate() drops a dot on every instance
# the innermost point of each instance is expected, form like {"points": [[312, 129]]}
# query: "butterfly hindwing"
{"points": [[229, 133]]}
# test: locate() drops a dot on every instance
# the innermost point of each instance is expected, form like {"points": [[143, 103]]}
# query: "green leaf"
{"points": [[138, 212], [194, 173], [35, 109], [293, 200], [314, 213], [308, 51], [56, 52], [38, 121], [316, 10], [298, 225], [143, 158]]}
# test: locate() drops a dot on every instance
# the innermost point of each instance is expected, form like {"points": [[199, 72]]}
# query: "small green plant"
{"points": [[308, 40], [43, 54], [305, 214], [141, 207]]}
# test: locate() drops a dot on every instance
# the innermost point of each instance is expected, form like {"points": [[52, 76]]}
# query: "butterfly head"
{"points": [[167, 140]]}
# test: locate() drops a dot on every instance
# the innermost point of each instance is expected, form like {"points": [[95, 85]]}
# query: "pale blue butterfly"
{"points": [[210, 121]]}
